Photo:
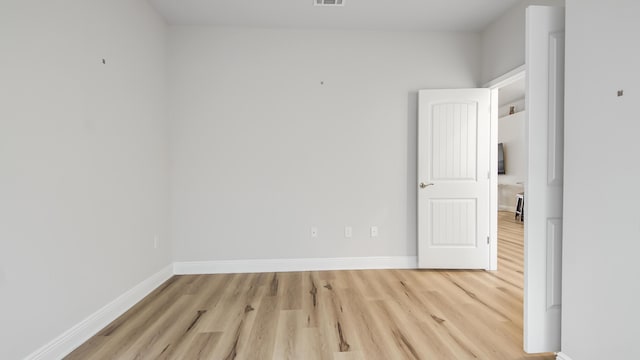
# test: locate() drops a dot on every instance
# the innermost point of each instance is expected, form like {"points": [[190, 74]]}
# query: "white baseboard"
{"points": [[506, 208], [285, 265], [562, 356], [81, 332]]}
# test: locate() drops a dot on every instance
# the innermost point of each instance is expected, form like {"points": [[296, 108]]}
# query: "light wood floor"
{"points": [[372, 314]]}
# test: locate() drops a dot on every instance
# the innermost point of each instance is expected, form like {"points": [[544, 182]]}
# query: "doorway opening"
{"points": [[511, 140], [508, 141], [512, 163]]}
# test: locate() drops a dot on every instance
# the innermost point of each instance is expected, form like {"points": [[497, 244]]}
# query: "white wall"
{"points": [[601, 233], [83, 161], [502, 42], [511, 134], [262, 150]]}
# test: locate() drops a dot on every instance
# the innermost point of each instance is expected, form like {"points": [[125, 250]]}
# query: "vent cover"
{"points": [[328, 2]]}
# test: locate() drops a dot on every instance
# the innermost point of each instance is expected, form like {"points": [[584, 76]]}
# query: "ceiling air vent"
{"points": [[328, 2]]}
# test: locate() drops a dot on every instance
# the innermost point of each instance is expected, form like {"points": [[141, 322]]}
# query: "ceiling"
{"points": [[434, 15]]}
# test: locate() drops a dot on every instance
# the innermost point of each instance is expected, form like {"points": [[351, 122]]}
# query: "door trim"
{"points": [[508, 78]]}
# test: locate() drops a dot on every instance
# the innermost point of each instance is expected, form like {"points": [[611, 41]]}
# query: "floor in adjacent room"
{"points": [[369, 314]]}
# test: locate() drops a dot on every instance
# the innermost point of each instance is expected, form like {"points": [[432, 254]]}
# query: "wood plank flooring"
{"points": [[341, 315]]}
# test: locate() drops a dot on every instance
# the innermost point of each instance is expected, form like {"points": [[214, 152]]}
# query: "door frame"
{"points": [[494, 86]]}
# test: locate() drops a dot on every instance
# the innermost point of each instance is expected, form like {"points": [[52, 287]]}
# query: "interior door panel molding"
{"points": [[555, 164], [554, 263]]}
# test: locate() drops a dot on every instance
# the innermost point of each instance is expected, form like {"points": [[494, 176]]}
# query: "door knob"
{"points": [[423, 185]]}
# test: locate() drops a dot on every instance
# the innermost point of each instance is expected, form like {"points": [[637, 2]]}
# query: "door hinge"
{"points": [[488, 240], [489, 175]]}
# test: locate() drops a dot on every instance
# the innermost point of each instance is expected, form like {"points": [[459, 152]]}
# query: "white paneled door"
{"points": [[543, 189], [453, 179]]}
